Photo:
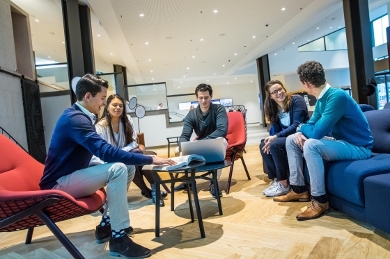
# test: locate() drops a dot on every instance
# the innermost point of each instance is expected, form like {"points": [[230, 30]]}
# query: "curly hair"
{"points": [[271, 108], [123, 118], [312, 72]]}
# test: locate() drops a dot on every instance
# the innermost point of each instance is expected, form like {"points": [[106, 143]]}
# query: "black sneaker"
{"points": [[212, 191], [149, 194], [125, 247], [180, 187], [103, 233]]}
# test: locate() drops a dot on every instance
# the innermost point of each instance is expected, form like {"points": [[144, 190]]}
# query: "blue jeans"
{"points": [[314, 152]]}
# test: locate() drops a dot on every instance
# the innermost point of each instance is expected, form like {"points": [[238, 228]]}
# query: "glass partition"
{"points": [[180, 105], [151, 96], [336, 40], [54, 76]]}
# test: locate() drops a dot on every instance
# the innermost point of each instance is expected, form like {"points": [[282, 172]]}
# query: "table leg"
{"points": [[197, 206], [172, 193], [216, 187], [158, 197], [190, 200]]}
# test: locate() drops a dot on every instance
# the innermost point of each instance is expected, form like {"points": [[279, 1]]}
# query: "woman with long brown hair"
{"points": [[117, 128], [285, 112]]}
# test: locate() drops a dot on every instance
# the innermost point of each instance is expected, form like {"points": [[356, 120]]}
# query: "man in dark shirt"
{"points": [[207, 120], [73, 143]]}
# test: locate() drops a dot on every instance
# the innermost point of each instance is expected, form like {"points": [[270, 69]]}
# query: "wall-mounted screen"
{"points": [[226, 102]]}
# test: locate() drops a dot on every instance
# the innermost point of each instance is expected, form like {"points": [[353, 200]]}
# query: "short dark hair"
{"points": [[312, 72], [89, 83], [204, 88]]}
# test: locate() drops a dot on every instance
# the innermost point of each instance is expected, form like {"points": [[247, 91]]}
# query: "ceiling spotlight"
{"points": [[253, 37], [36, 20], [223, 65], [188, 68], [153, 79], [111, 54], [339, 27], [184, 76], [330, 27], [181, 82], [141, 15], [235, 78], [146, 43], [193, 56], [98, 35], [49, 56], [151, 71], [149, 60], [215, 11], [275, 54], [251, 81], [201, 39], [208, 80], [283, 9], [227, 83], [178, 86], [293, 43], [63, 42], [318, 28], [214, 73], [235, 54]]}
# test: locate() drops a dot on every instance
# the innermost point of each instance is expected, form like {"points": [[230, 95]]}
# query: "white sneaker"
{"points": [[278, 190], [272, 184]]}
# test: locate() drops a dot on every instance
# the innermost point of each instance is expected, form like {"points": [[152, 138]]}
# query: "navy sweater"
{"points": [[73, 142], [298, 114]]}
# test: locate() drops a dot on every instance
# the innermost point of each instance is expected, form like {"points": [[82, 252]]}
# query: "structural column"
{"points": [[121, 80], [78, 40], [361, 62], [264, 77]]}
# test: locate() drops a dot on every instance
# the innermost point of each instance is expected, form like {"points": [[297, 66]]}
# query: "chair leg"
{"points": [[59, 235], [166, 188], [230, 177], [246, 169], [29, 235]]}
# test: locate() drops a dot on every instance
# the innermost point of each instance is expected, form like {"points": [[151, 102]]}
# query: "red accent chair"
{"points": [[236, 137], [23, 205]]}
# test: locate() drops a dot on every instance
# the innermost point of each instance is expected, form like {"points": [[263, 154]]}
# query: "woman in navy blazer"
{"points": [[285, 112]]}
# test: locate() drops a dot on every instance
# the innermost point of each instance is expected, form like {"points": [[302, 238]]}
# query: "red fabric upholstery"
{"points": [[236, 137], [22, 203]]}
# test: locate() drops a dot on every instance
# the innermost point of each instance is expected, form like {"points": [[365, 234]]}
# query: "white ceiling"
{"points": [[233, 37]]}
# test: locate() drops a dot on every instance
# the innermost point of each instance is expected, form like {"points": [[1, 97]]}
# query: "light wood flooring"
{"points": [[252, 226]]}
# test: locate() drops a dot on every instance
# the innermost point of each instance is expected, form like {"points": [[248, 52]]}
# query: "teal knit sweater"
{"points": [[338, 113]]}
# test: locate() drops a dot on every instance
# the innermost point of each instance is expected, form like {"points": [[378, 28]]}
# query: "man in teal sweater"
{"points": [[336, 113]]}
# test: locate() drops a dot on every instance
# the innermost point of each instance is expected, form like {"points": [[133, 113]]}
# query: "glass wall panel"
{"points": [[149, 95], [180, 105], [54, 75], [316, 45], [336, 40], [379, 30]]}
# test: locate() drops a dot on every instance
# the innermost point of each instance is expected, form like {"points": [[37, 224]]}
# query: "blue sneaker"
{"points": [[212, 191]]}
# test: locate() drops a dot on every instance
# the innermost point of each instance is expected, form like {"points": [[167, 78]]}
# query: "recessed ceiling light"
{"points": [[330, 27], [214, 73], [201, 39], [235, 54], [49, 56], [215, 11], [178, 86], [149, 60], [36, 20], [151, 71], [181, 82], [141, 15], [98, 35], [293, 43], [307, 40], [318, 28], [283, 9], [208, 80], [251, 81], [275, 54], [146, 43], [253, 36], [188, 68], [193, 56], [227, 83], [63, 42], [153, 79], [111, 54], [339, 27], [235, 78], [223, 65], [184, 76]]}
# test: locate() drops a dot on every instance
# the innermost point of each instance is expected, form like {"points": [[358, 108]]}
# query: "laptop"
{"points": [[213, 150]]}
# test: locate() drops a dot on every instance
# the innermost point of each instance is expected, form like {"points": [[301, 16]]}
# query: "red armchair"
{"points": [[236, 137], [23, 205]]}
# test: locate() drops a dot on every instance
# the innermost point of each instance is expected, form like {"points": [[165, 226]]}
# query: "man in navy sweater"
{"points": [[207, 120], [73, 143], [335, 112]]}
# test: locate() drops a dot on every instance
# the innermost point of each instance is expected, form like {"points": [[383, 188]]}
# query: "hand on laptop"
{"points": [[162, 161]]}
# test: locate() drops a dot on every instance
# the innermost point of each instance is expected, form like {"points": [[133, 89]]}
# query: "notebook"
{"points": [[213, 150]]}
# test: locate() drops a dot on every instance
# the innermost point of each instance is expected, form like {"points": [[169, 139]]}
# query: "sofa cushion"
{"points": [[345, 178], [380, 128]]}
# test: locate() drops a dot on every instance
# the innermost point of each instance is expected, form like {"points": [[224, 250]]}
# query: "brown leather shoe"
{"points": [[314, 211], [293, 196]]}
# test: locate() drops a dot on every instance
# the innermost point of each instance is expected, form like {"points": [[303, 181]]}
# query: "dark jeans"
{"points": [[276, 163]]}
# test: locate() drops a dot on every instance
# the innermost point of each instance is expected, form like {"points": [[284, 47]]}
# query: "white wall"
{"points": [[11, 103]]}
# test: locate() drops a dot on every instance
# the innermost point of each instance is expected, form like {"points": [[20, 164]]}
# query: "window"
{"points": [[379, 30]]}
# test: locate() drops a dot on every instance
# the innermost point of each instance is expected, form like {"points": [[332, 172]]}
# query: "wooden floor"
{"points": [[252, 226]]}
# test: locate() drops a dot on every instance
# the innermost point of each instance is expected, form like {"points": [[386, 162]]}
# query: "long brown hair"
{"points": [[271, 108], [123, 118]]}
